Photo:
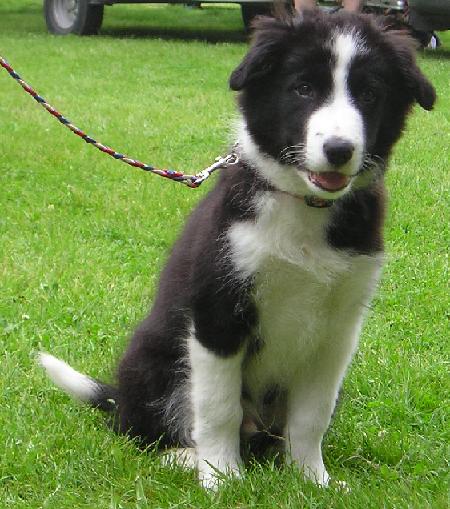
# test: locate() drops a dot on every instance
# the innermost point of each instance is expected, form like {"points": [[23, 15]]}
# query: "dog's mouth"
{"points": [[331, 181]]}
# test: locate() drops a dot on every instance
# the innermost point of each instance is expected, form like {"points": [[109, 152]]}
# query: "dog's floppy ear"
{"points": [[424, 91], [415, 82], [264, 53], [258, 62]]}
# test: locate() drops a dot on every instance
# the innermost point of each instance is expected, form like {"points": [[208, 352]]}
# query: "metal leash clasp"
{"points": [[219, 162]]}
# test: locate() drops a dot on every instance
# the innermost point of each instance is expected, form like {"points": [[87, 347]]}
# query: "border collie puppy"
{"points": [[261, 303]]}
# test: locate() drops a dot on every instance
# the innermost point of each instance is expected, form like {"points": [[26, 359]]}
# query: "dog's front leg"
{"points": [[312, 397], [217, 413], [311, 401]]}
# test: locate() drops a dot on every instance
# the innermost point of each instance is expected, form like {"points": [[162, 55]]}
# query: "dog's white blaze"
{"points": [[338, 116], [66, 378], [215, 385], [311, 301]]}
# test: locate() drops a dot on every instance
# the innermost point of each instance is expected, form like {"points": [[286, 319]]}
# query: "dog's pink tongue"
{"points": [[329, 180]]}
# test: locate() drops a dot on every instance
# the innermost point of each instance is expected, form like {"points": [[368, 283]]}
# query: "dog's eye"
{"points": [[304, 89], [368, 96]]}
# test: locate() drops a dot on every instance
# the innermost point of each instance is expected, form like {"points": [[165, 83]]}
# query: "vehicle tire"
{"points": [[251, 9], [72, 16]]}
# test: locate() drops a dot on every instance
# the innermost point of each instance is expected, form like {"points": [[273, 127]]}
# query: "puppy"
{"points": [[261, 302]]}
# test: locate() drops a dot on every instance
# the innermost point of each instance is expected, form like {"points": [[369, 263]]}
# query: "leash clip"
{"points": [[223, 161], [232, 158], [219, 162]]}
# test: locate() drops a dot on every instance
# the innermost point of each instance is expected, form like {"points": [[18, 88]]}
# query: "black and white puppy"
{"points": [[261, 303]]}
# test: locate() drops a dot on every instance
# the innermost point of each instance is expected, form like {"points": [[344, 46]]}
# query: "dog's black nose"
{"points": [[338, 150]]}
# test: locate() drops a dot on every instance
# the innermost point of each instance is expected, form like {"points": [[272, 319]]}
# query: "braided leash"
{"points": [[189, 180]]}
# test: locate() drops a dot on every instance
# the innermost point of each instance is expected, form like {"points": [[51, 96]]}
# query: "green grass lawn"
{"points": [[83, 239]]}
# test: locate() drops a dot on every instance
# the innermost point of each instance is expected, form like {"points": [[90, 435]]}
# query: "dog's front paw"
{"points": [[212, 473], [315, 472], [312, 467], [318, 476]]}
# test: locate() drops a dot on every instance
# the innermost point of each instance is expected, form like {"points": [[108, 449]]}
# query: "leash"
{"points": [[193, 181]]}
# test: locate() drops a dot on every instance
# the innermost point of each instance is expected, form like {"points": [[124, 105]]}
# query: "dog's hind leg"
{"points": [[216, 385]]}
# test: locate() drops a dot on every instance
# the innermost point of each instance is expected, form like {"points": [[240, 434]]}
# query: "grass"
{"points": [[83, 239]]}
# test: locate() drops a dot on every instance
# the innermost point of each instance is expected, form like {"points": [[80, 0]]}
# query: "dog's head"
{"points": [[324, 98]]}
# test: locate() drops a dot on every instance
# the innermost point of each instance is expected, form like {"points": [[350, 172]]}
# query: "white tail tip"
{"points": [[66, 378]]}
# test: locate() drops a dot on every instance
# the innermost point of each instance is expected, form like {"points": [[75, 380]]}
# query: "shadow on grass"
{"points": [[199, 35]]}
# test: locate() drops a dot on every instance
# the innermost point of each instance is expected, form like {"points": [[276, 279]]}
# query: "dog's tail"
{"points": [[81, 387]]}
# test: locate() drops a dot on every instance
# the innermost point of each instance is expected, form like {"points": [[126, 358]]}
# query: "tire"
{"points": [[251, 9], [72, 16]]}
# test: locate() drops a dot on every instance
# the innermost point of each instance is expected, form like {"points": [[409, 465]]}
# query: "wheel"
{"points": [[251, 9], [72, 16]]}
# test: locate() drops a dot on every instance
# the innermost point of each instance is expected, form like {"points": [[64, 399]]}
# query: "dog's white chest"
{"points": [[293, 307], [295, 272], [306, 292]]}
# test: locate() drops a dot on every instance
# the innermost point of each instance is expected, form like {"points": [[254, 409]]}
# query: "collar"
{"points": [[311, 201], [318, 203]]}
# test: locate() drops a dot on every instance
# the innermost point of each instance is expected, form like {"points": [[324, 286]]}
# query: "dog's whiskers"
{"points": [[373, 163], [293, 154]]}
